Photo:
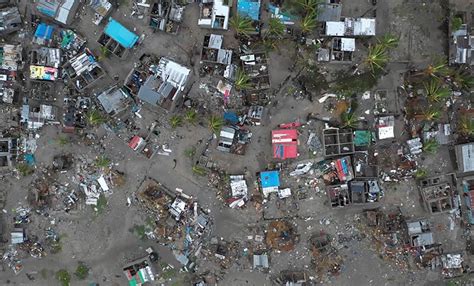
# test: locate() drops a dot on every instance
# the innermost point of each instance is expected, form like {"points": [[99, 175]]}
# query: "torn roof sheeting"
{"points": [[120, 34], [249, 8]]}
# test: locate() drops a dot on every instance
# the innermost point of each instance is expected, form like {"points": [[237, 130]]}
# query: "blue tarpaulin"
{"points": [[120, 34], [270, 179], [30, 159], [249, 8], [231, 117], [44, 31]]}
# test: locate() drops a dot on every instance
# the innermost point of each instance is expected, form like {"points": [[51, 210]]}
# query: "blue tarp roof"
{"points": [[44, 31], [270, 179], [231, 117], [249, 9], [120, 34]]}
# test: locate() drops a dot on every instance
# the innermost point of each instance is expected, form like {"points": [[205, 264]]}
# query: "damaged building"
{"points": [[158, 84], [82, 71], [437, 193], [10, 20]]}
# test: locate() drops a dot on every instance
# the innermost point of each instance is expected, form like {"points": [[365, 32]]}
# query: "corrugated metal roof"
{"points": [[120, 34]]}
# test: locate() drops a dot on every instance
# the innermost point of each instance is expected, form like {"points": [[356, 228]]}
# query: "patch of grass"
{"points": [[215, 124], [102, 162], [140, 231], [198, 170], [62, 140], [421, 173], [82, 271], [24, 169], [63, 277], [456, 23], [349, 85], [190, 152], [169, 273], [191, 116], [101, 204], [431, 146], [176, 121], [56, 246]]}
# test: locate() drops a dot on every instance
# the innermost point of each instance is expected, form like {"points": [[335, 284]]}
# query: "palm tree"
{"points": [[102, 162], [388, 41], [243, 26], [276, 28], [309, 6], [94, 117], [439, 67], [308, 23], [432, 113], [377, 57], [242, 80], [104, 53], [430, 146], [176, 121], [215, 123], [463, 80], [349, 120], [191, 116], [466, 126], [435, 92]]}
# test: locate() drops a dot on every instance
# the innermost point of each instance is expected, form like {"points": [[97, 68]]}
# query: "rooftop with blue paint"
{"points": [[120, 34], [249, 8], [270, 179], [44, 31]]}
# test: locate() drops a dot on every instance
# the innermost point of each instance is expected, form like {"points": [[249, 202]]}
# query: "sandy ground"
{"points": [[105, 243]]}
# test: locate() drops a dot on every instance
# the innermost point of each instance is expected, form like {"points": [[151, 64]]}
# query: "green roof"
{"points": [[132, 282], [363, 137]]}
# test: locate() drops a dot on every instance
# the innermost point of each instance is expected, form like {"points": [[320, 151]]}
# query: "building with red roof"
{"points": [[285, 143]]}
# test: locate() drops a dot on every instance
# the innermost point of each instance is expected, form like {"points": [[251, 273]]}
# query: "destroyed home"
{"points": [[214, 14], [338, 142], [35, 117], [10, 20], [8, 153], [256, 67], [114, 100], [461, 43], [117, 39], [82, 71], [101, 8], [140, 271], [46, 57], [419, 233], [159, 84], [212, 51], [438, 193]]}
